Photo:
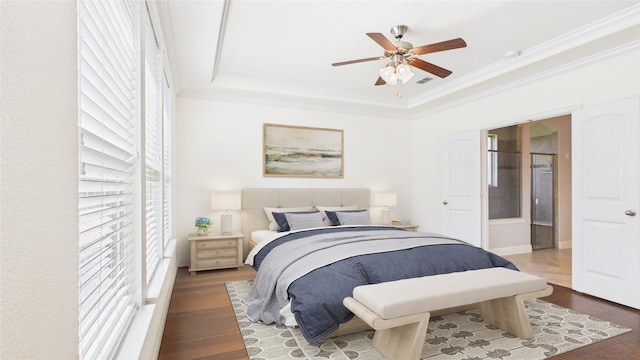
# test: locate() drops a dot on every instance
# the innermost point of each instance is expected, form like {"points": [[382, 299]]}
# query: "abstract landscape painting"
{"points": [[303, 151]]}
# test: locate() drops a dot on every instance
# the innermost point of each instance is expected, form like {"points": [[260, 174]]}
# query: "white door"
{"points": [[461, 201], [606, 197]]}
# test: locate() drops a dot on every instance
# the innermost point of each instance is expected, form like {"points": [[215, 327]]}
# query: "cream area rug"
{"points": [[461, 335]]}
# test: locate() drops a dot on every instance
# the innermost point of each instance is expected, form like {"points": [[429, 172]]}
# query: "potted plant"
{"points": [[202, 225]]}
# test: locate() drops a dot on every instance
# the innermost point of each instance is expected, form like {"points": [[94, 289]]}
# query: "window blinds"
{"points": [[108, 81], [153, 152], [166, 163]]}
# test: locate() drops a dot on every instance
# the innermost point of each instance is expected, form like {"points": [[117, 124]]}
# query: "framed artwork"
{"points": [[299, 151]]}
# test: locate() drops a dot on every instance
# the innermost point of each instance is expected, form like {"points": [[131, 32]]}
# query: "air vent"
{"points": [[427, 79]]}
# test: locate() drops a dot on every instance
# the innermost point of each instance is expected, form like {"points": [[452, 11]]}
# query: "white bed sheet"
{"points": [[261, 235], [261, 238]]}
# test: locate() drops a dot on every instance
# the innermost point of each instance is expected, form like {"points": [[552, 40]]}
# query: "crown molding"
{"points": [[300, 103], [221, 35], [591, 32], [635, 45], [295, 96]]}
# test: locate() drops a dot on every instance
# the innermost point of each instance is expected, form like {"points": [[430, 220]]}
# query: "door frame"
{"points": [[484, 198]]}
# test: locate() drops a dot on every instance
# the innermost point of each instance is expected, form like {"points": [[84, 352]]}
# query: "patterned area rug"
{"points": [[461, 335]]}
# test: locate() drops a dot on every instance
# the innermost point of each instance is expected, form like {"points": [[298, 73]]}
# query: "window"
{"points": [[166, 162], [153, 152], [504, 162], [125, 162], [108, 82], [492, 145]]}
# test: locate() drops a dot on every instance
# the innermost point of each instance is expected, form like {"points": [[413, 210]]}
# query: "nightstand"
{"points": [[215, 251], [409, 227]]}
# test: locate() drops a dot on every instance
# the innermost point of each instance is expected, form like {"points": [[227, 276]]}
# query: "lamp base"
{"points": [[385, 216], [226, 223]]}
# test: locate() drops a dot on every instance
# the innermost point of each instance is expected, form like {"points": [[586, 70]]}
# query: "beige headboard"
{"points": [[255, 199]]}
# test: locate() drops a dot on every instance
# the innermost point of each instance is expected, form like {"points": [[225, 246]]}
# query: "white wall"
{"points": [[220, 147], [611, 78], [39, 141]]}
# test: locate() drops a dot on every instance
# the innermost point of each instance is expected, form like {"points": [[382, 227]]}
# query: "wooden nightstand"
{"points": [[409, 227], [215, 251]]}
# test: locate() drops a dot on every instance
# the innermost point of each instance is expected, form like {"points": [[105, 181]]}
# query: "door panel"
{"points": [[542, 201], [461, 206], [606, 184]]}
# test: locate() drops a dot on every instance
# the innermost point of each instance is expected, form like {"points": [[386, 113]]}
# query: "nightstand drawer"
{"points": [[212, 263], [215, 244], [217, 253]]}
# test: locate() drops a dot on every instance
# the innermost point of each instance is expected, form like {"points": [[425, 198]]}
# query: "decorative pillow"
{"points": [[324, 209], [304, 221], [354, 217], [273, 225], [281, 219], [332, 216]]}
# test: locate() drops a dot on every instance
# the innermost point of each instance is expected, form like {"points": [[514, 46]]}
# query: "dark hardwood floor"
{"points": [[201, 323]]}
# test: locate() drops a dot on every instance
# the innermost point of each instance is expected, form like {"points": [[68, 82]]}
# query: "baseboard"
{"points": [[564, 244], [512, 250]]}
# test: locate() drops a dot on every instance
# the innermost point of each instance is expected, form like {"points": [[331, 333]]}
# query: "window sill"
{"points": [[507, 221], [144, 336]]}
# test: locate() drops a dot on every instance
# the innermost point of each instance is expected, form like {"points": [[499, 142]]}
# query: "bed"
{"points": [[305, 272]]}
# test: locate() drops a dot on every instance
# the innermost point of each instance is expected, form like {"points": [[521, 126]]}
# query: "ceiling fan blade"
{"points": [[357, 61], [441, 46], [429, 67], [382, 41], [380, 81]]}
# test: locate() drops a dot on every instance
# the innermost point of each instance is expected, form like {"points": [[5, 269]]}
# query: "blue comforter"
{"points": [[316, 296]]}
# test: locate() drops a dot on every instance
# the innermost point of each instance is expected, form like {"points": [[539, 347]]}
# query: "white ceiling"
{"points": [[282, 51]]}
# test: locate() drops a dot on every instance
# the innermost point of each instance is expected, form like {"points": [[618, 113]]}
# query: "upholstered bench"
{"points": [[399, 311]]}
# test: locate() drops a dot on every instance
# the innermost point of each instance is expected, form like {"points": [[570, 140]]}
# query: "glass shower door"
{"points": [[542, 201]]}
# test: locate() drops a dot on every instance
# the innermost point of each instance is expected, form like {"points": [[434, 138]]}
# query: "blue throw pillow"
{"points": [[281, 219], [333, 215]]}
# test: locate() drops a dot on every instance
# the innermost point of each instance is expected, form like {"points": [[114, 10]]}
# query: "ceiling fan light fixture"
{"points": [[393, 80], [387, 72], [404, 73]]}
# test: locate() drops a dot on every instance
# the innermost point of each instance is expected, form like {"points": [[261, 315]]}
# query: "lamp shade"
{"points": [[386, 72], [385, 199], [226, 201], [404, 73]]}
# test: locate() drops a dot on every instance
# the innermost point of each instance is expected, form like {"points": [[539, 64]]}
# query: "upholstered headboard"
{"points": [[254, 200]]}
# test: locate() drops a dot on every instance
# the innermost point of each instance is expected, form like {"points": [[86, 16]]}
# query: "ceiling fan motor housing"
{"points": [[399, 30]]}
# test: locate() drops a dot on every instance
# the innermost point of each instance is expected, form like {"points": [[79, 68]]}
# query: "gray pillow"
{"points": [[304, 221], [354, 218]]}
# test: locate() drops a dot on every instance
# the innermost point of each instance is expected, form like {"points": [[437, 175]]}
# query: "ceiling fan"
{"points": [[403, 54]]}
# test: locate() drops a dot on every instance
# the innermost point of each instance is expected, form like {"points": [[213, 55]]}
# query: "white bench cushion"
{"points": [[411, 296]]}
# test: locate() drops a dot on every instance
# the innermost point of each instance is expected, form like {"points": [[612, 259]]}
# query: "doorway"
{"points": [[543, 149]]}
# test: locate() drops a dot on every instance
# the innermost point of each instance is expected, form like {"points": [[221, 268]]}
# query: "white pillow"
{"points": [[354, 218], [273, 225], [322, 209], [304, 221]]}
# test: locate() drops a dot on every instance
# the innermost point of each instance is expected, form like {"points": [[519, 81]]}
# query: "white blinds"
{"points": [[153, 152], [166, 163], [108, 78]]}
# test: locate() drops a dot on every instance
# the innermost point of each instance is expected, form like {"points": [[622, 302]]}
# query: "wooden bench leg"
{"points": [[403, 342], [508, 314]]}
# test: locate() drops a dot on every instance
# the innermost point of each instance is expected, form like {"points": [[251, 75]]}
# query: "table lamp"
{"points": [[226, 202]]}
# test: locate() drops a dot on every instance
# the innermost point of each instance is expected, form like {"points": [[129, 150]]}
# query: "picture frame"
{"points": [[301, 151]]}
